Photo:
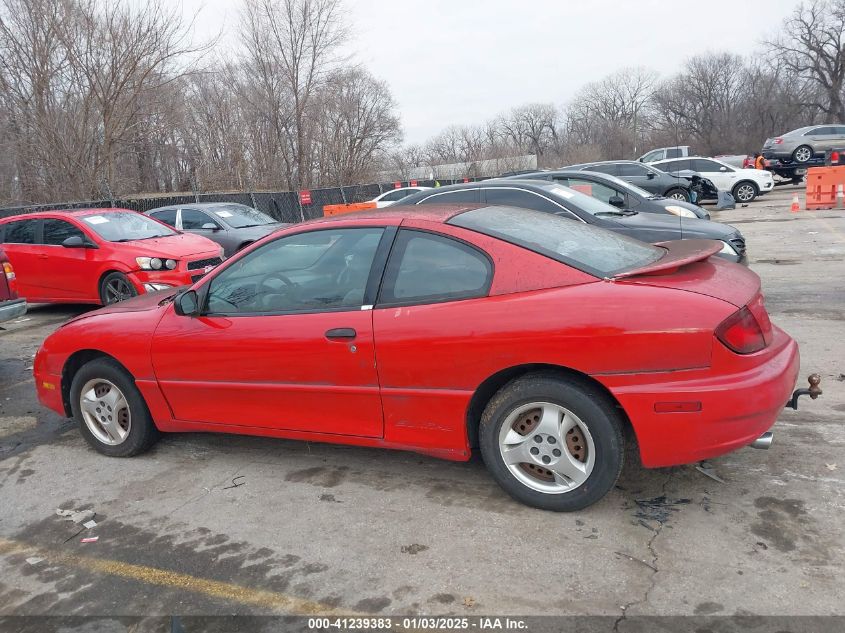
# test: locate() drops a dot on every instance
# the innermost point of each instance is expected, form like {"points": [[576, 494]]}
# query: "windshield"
{"points": [[239, 216], [588, 248], [581, 201], [124, 226], [627, 185]]}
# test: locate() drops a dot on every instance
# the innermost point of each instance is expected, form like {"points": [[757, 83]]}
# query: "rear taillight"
{"points": [[742, 333], [778, 141], [10, 276]]}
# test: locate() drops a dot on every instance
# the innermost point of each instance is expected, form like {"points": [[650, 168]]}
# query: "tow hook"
{"points": [[814, 391]]}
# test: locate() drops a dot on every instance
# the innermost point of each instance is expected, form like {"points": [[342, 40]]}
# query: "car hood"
{"points": [[684, 227], [257, 232], [176, 246], [141, 303]]}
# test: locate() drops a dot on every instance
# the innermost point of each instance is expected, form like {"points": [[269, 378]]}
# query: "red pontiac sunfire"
{"points": [[534, 337], [101, 255]]}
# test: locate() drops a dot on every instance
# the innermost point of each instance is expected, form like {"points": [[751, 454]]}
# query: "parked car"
{"points": [[553, 198], [11, 306], [618, 193], [233, 226], [101, 256], [394, 195], [437, 331], [663, 153], [643, 176], [805, 143], [744, 184]]}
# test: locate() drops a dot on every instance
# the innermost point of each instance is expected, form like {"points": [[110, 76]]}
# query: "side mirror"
{"points": [[617, 201], [187, 303], [210, 226], [74, 241], [723, 168], [650, 175]]}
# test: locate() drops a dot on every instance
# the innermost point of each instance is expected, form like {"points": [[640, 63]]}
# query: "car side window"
{"points": [[168, 216], [317, 271], [627, 170], [20, 232], [193, 219], [597, 190], [820, 131], [461, 196], [839, 131], [673, 152], [613, 170], [393, 196], [428, 268], [57, 231], [652, 156], [702, 165], [519, 198], [674, 165]]}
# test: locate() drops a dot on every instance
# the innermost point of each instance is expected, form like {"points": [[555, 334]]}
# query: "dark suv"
{"points": [[643, 176], [10, 306]]}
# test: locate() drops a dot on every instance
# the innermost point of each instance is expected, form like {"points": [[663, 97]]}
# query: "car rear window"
{"points": [[588, 248]]}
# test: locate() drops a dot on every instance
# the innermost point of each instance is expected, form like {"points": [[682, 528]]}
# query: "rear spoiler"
{"points": [[678, 253]]}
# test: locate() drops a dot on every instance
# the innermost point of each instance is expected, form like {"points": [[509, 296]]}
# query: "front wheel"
{"points": [[116, 287], [552, 443], [678, 194], [111, 413], [745, 192], [802, 154]]}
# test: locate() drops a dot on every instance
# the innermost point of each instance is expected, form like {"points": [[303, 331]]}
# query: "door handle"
{"points": [[341, 333]]}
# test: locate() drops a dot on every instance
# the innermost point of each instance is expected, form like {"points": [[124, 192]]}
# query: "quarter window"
{"points": [[428, 268], [168, 216], [307, 272], [626, 170], [452, 197], [20, 232], [57, 231]]}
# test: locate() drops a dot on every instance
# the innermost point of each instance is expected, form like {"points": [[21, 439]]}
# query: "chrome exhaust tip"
{"points": [[764, 441]]}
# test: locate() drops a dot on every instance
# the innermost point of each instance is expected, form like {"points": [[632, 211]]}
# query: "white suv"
{"points": [[744, 184]]}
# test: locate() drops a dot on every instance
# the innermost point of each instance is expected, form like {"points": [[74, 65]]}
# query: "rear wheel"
{"points": [[745, 191], [116, 287], [111, 413], [802, 154], [551, 442], [678, 194]]}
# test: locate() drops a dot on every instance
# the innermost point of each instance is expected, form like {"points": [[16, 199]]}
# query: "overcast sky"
{"points": [[463, 62]]}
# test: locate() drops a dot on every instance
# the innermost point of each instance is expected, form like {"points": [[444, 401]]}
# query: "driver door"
{"points": [[284, 342]]}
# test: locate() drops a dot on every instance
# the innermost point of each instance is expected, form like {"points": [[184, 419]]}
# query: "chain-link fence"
{"points": [[282, 205]]}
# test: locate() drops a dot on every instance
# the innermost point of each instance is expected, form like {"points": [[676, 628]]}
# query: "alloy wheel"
{"points": [[745, 193], [105, 411], [803, 154], [547, 447], [678, 196], [118, 290]]}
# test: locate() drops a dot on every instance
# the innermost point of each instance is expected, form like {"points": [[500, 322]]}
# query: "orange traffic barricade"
{"points": [[822, 185], [337, 209]]}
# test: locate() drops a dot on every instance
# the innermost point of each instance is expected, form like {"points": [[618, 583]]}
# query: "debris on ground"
{"points": [[413, 549], [469, 602], [708, 471], [236, 483], [840, 378], [636, 560], [831, 466], [77, 516], [90, 524], [657, 509], [89, 539], [34, 560]]}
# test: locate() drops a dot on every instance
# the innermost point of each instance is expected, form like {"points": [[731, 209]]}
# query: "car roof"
{"points": [[64, 212], [440, 213], [197, 205]]}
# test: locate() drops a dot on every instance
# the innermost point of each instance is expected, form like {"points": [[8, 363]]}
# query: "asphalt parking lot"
{"points": [[218, 524]]}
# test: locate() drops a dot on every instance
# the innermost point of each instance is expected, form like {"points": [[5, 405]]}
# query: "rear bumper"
{"points": [[736, 407], [12, 309]]}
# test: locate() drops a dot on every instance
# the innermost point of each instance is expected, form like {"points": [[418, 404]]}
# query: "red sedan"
{"points": [[535, 338], [101, 255]]}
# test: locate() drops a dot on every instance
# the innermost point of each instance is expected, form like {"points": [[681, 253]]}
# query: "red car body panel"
{"points": [[410, 381], [55, 274]]}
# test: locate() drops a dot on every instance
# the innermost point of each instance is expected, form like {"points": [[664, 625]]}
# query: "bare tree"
{"points": [[812, 46]]}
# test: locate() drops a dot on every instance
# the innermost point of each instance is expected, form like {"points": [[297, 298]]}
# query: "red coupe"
{"points": [[533, 337], [101, 255]]}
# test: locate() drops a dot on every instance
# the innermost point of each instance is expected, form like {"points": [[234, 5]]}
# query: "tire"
{"points": [[589, 459], [678, 194], [802, 154], [116, 287], [745, 191], [98, 385]]}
